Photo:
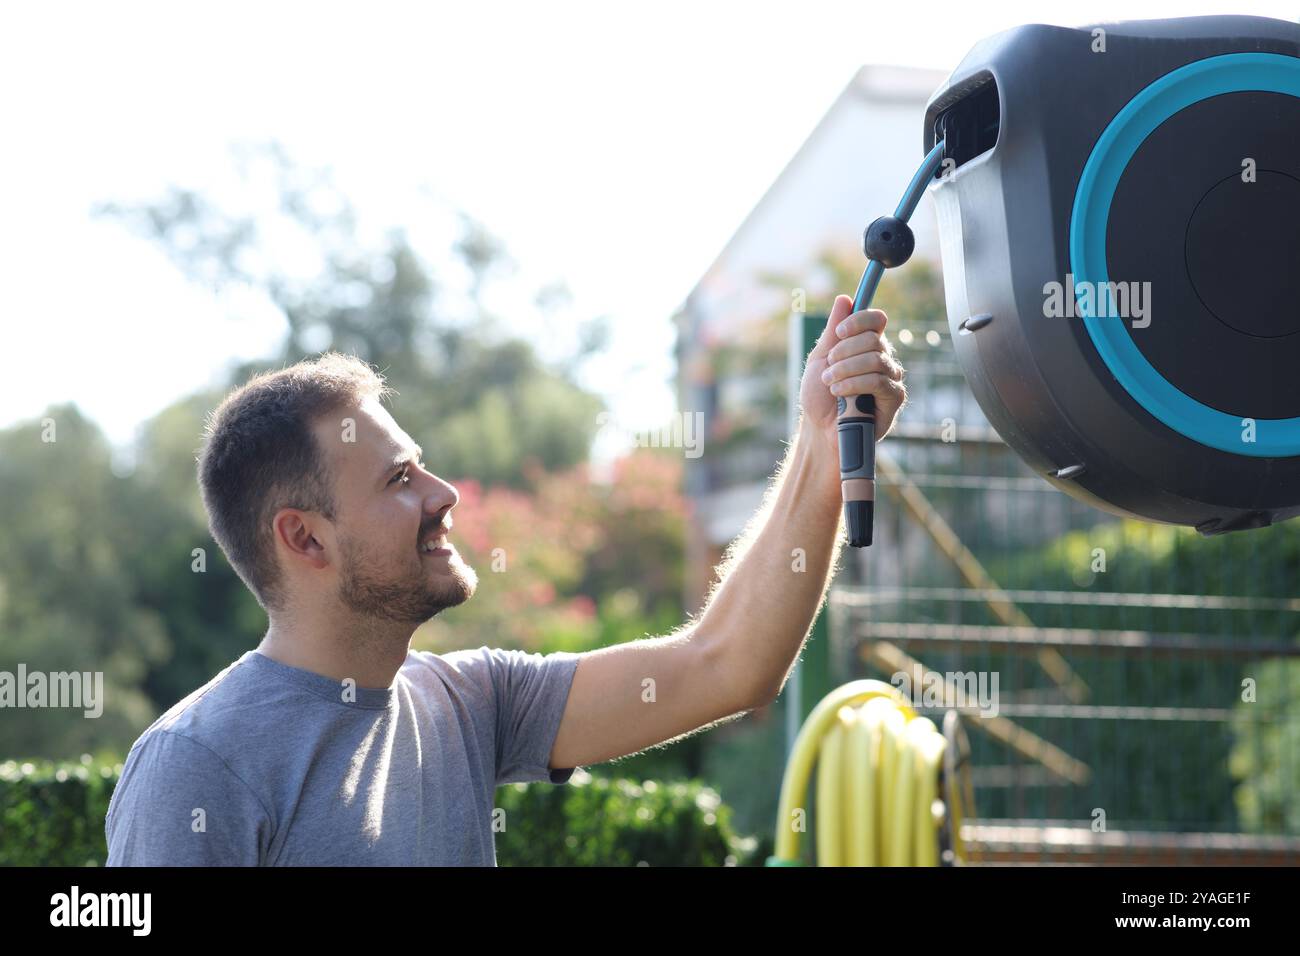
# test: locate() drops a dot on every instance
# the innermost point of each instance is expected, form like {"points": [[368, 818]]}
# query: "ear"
{"points": [[297, 532]]}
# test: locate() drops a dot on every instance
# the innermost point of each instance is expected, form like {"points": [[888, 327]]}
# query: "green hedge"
{"points": [[593, 821], [53, 815]]}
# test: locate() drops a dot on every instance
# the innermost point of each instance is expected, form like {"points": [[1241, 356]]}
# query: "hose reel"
{"points": [[1119, 220], [892, 789]]}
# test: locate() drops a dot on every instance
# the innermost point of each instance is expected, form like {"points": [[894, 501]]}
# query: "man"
{"points": [[333, 743]]}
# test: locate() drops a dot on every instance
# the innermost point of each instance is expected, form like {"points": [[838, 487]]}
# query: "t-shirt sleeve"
{"points": [[177, 803], [532, 691]]}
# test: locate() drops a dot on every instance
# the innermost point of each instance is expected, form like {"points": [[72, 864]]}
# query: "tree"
{"points": [[67, 586], [482, 403]]}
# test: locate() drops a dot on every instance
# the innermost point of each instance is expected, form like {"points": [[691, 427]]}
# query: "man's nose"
{"points": [[442, 494]]}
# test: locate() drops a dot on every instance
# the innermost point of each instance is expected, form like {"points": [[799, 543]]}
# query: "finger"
{"points": [[865, 364], [862, 364], [891, 358], [857, 344], [868, 320], [893, 367], [839, 311], [873, 383]]}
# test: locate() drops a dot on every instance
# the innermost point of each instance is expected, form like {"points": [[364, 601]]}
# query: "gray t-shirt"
{"points": [[272, 765]]}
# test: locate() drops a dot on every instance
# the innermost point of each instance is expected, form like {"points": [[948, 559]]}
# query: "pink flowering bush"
{"points": [[571, 563]]}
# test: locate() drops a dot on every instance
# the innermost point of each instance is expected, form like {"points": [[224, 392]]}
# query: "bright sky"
{"points": [[613, 146]]}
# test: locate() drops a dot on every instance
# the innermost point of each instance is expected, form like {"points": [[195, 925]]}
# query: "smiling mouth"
{"points": [[436, 543]]}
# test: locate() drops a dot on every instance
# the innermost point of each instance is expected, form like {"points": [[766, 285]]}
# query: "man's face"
{"points": [[390, 511]]}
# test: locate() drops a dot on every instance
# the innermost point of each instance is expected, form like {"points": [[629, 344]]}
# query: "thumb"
{"points": [[840, 311]]}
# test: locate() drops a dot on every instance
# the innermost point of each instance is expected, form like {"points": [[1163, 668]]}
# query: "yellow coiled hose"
{"points": [[879, 766]]}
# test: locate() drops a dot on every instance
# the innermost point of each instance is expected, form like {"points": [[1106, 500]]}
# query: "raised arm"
{"points": [[736, 655]]}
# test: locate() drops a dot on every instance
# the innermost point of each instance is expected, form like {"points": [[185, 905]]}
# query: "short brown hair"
{"points": [[259, 455]]}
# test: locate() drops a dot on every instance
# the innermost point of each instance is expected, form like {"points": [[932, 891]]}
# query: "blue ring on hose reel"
{"points": [[1229, 73]]}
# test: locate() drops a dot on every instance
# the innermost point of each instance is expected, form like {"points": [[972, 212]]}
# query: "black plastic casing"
{"points": [[1021, 115]]}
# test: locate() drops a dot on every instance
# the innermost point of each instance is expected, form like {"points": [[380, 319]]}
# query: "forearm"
{"points": [[774, 577]]}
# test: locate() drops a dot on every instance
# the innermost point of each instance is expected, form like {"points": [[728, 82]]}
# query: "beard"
{"points": [[411, 595]]}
